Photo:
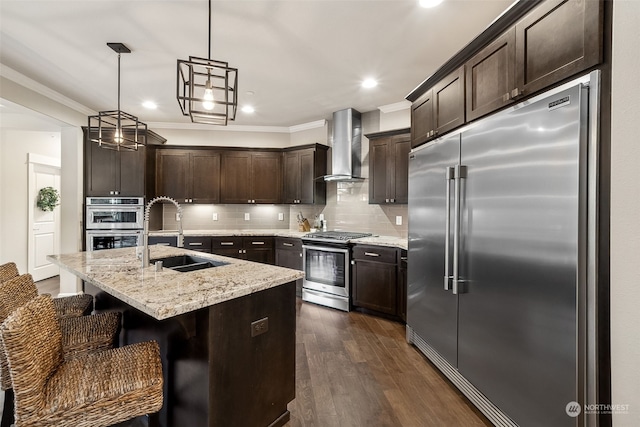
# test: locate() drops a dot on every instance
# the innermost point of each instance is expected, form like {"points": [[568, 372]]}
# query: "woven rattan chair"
{"points": [[79, 334], [93, 390], [8, 271]]}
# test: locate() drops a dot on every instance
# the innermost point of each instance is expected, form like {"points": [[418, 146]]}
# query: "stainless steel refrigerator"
{"points": [[501, 279]]}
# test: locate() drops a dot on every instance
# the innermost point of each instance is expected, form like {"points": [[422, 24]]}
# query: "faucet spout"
{"points": [[146, 255]]}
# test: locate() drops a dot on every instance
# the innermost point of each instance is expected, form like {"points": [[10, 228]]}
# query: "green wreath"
{"points": [[48, 199]]}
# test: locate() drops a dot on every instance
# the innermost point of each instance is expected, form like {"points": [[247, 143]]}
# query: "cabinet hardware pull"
{"points": [[226, 243], [516, 93], [353, 262], [403, 258], [195, 244], [257, 243], [386, 200], [371, 254], [506, 97], [164, 244], [287, 244], [393, 200]]}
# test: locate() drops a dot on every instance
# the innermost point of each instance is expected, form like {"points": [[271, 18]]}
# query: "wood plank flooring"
{"points": [[354, 369], [357, 370]]}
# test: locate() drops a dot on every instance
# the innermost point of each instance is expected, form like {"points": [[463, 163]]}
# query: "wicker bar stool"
{"points": [[8, 271], [79, 334], [93, 390]]}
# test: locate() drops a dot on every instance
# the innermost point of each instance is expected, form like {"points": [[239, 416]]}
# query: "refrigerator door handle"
{"points": [[460, 174], [450, 175]]}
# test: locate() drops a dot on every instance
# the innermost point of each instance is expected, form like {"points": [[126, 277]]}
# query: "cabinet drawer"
{"points": [[375, 253], [288, 244], [198, 243], [226, 243], [163, 240], [258, 242]]}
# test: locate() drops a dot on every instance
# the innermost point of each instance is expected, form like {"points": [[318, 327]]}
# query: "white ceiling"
{"points": [[302, 59]]}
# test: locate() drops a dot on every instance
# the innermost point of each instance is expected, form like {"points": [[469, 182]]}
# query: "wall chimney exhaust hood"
{"points": [[346, 152]]}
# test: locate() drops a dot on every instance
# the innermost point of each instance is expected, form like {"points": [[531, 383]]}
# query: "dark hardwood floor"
{"points": [[353, 369]]}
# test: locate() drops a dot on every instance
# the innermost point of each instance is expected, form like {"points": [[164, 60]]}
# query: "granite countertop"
{"points": [[391, 241], [168, 293]]}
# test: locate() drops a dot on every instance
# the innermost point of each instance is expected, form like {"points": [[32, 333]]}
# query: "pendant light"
{"points": [[207, 90], [115, 129]]}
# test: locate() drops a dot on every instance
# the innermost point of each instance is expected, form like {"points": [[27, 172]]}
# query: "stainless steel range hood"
{"points": [[347, 146]]}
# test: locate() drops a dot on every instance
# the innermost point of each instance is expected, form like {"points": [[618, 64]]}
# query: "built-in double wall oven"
{"points": [[113, 222]]}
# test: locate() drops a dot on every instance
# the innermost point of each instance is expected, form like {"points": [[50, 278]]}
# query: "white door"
{"points": [[44, 227]]}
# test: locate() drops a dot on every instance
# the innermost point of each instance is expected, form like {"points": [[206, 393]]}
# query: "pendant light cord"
{"points": [[118, 84], [209, 30]]}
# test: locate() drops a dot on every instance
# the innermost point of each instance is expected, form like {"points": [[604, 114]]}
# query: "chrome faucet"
{"points": [[145, 238]]}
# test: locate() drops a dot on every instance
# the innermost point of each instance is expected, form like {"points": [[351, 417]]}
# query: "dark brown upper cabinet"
{"points": [[118, 173], [556, 40], [189, 176], [439, 110], [389, 166], [301, 168], [448, 102], [490, 76], [251, 177], [422, 119]]}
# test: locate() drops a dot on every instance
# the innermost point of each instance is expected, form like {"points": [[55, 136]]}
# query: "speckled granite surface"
{"points": [[169, 293], [373, 240]]}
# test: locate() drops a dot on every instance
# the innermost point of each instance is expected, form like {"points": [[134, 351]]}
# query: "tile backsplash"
{"points": [[348, 209], [230, 217]]}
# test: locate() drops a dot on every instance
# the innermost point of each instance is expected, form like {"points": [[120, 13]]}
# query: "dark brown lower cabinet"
{"points": [[375, 278], [257, 249], [198, 243], [289, 255]]}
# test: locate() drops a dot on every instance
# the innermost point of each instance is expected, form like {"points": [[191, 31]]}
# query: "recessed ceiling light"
{"points": [[430, 3], [150, 105], [248, 109], [369, 83]]}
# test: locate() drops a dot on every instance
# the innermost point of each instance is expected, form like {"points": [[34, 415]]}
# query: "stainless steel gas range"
{"points": [[327, 259]]}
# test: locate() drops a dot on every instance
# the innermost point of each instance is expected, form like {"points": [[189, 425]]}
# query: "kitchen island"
{"points": [[226, 334]]}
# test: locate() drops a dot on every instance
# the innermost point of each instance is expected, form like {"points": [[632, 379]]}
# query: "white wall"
{"points": [[14, 146], [222, 138], [625, 214]]}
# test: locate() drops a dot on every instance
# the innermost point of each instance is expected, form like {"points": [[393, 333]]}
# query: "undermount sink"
{"points": [[184, 263]]}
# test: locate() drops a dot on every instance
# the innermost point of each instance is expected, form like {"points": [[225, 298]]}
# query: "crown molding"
{"points": [[398, 106], [19, 78]]}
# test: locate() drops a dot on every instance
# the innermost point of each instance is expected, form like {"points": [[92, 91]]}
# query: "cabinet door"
{"points": [[236, 171], [557, 40], [172, 174], [375, 286], [289, 253], [490, 76], [307, 177], [227, 246], [379, 170], [100, 170], [130, 172], [401, 145], [266, 177], [448, 102], [422, 119], [205, 177], [291, 176]]}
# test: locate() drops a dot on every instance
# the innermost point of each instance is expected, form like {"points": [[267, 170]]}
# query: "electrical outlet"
{"points": [[280, 216], [398, 219], [215, 216], [247, 217], [259, 327]]}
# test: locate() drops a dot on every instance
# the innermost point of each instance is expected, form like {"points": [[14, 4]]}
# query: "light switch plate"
{"points": [[247, 217], [398, 219], [215, 216], [280, 216]]}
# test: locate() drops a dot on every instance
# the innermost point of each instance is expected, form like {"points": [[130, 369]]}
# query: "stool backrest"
{"points": [[14, 293], [33, 344], [8, 271]]}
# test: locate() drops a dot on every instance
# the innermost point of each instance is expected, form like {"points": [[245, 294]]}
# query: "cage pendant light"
{"points": [[207, 90], [115, 129]]}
